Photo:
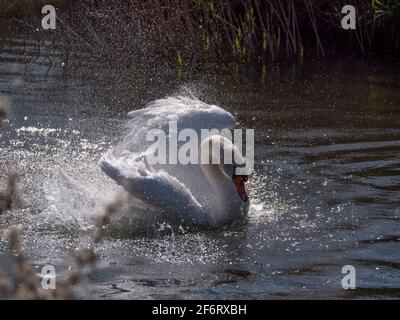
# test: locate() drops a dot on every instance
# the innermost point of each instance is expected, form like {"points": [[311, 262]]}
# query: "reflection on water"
{"points": [[324, 192]]}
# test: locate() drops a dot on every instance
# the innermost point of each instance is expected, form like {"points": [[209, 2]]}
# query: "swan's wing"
{"points": [[187, 112], [156, 189]]}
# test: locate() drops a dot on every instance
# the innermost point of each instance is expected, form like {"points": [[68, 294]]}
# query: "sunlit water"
{"points": [[325, 191]]}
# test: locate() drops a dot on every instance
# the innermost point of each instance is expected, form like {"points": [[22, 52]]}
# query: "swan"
{"points": [[192, 197]]}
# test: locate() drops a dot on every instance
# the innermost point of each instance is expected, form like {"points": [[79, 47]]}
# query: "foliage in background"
{"points": [[195, 31], [190, 31]]}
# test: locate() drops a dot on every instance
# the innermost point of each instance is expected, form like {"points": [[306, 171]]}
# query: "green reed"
{"points": [[190, 31], [241, 30]]}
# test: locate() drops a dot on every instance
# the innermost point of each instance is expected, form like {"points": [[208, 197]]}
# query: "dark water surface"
{"points": [[325, 191]]}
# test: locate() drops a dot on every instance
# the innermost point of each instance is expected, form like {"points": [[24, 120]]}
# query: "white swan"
{"points": [[192, 196]]}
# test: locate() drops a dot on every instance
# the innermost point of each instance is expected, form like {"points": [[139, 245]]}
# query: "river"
{"points": [[324, 192]]}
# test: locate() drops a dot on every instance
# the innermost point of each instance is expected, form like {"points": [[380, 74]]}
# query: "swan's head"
{"points": [[219, 160]]}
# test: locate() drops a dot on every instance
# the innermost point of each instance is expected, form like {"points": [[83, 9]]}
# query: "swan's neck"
{"points": [[229, 205]]}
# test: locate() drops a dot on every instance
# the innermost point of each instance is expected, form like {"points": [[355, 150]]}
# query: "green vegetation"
{"points": [[186, 32]]}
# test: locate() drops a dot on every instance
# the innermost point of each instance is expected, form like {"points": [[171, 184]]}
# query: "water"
{"points": [[324, 192]]}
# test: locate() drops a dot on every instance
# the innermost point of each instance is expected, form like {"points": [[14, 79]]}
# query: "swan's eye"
{"points": [[242, 165], [241, 177]]}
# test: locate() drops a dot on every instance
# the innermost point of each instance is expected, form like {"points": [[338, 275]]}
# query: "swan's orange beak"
{"points": [[240, 186]]}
